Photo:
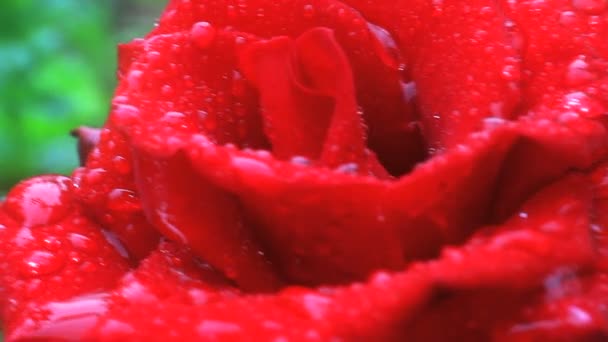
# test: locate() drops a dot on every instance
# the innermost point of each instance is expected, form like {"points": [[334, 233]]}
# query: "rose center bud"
{"points": [[309, 100]]}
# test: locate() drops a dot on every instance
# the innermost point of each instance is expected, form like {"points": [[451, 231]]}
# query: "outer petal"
{"points": [[356, 312], [106, 189], [50, 253], [529, 268]]}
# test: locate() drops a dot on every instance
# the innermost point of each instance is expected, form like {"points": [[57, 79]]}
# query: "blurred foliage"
{"points": [[57, 71]]}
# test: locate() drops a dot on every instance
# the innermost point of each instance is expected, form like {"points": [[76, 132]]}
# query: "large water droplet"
{"points": [[309, 11], [136, 292], [70, 319], [511, 72], [213, 327], [40, 200], [300, 161], [134, 79], [123, 200], [567, 18], [203, 34], [41, 263], [121, 165], [84, 243], [316, 305], [586, 106], [348, 168], [114, 327], [125, 114], [589, 6], [388, 50], [578, 72]]}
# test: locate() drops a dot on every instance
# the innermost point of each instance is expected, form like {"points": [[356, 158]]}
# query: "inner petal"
{"points": [[309, 100]]}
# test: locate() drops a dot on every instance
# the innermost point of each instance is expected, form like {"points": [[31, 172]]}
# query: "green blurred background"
{"points": [[57, 71]]}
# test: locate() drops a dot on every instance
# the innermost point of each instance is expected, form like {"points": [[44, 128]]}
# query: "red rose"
{"points": [[326, 170]]}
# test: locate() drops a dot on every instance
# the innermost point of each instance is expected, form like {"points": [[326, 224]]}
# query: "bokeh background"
{"points": [[57, 71]]}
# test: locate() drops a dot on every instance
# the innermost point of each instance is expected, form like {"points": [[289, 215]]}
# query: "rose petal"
{"points": [[461, 59], [375, 61], [50, 241], [296, 80], [360, 311], [106, 189]]}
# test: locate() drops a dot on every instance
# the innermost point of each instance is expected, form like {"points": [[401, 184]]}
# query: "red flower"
{"points": [[318, 170]]}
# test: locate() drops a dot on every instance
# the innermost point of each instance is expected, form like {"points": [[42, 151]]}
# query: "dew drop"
{"points": [[300, 161], [348, 168], [112, 327], [584, 105], [216, 327], [41, 263], [40, 200], [387, 47], [174, 117], [409, 90], [153, 56], [316, 305], [94, 176], [123, 200], [252, 166], [510, 72], [309, 11], [493, 122], [578, 72], [113, 240], [52, 243], [567, 18], [198, 297], [589, 6], [239, 86], [76, 316], [136, 292], [203, 34], [578, 316], [126, 114], [166, 90], [121, 165], [134, 79], [83, 243]]}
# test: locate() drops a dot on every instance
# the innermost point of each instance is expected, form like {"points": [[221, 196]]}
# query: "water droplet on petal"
{"points": [[52, 243], [123, 200], [589, 6], [388, 50], [309, 11], [348, 168], [112, 327], [578, 72], [567, 18], [301, 161], [216, 327], [586, 106], [316, 305], [83, 243], [40, 200], [510, 72], [122, 165], [125, 114], [134, 79], [41, 263], [203, 34]]}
